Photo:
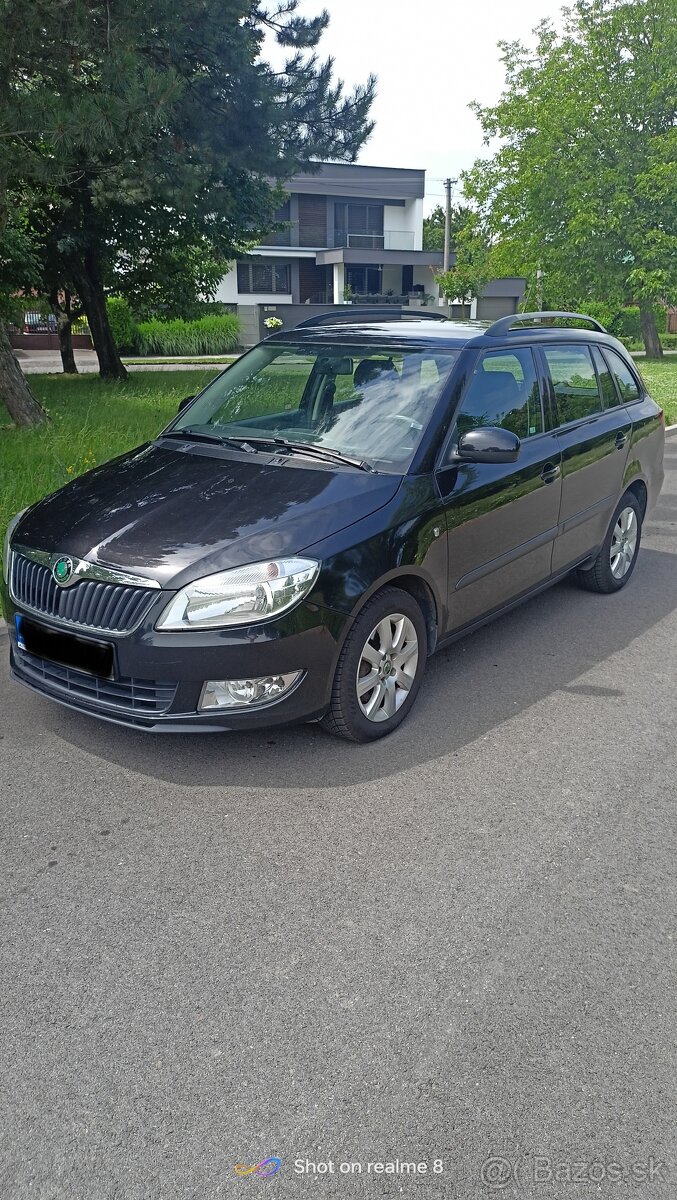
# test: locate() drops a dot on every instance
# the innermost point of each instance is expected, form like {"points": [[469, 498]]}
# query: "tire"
{"points": [[370, 656], [616, 560]]}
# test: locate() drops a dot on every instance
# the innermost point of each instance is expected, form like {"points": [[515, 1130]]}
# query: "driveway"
{"points": [[453, 945]]}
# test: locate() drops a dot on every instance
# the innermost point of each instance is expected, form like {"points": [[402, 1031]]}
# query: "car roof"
{"points": [[450, 334]]}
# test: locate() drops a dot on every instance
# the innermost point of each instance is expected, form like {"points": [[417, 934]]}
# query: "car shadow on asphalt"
{"points": [[469, 689]]}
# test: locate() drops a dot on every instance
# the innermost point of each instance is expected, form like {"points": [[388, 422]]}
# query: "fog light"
{"points": [[239, 693]]}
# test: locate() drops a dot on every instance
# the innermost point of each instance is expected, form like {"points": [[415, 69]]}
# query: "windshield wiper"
{"points": [[192, 435], [325, 452], [189, 435], [253, 444], [329, 454]]}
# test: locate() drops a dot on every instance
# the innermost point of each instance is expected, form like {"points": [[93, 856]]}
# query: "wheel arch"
{"points": [[419, 588], [640, 491]]}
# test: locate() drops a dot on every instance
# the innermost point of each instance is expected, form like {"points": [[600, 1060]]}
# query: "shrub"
{"points": [[122, 322], [208, 335]]}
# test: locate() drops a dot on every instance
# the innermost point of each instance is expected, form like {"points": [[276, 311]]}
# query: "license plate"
{"points": [[94, 658]]}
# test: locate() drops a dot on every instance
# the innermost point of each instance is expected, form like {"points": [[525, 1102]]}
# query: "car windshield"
{"points": [[369, 404]]}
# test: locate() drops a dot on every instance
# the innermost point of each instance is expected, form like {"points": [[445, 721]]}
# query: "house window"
{"points": [[364, 280], [359, 225], [269, 277]]}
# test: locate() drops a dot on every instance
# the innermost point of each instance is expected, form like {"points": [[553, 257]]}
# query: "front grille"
{"points": [[109, 607], [131, 696]]}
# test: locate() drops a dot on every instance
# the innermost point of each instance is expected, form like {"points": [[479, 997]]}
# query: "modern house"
{"points": [[350, 231], [349, 226]]}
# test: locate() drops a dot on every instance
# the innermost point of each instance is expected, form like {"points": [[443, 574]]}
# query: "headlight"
{"points": [[8, 537], [241, 596]]}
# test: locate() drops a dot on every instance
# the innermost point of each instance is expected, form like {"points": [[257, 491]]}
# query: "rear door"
{"points": [[501, 517], [593, 432]]}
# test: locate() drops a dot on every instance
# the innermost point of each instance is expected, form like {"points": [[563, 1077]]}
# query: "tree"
{"points": [[169, 116], [582, 185], [472, 267], [433, 226], [19, 273]]}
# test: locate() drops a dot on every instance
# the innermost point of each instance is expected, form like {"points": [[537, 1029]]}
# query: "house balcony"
{"points": [[390, 239]]}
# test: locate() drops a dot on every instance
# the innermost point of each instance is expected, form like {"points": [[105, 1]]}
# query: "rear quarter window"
{"points": [[626, 383], [574, 381]]}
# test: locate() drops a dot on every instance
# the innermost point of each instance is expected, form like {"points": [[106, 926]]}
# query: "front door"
{"points": [[594, 438], [501, 518]]}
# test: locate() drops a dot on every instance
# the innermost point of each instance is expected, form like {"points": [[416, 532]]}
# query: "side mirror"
{"points": [[186, 400], [488, 444]]}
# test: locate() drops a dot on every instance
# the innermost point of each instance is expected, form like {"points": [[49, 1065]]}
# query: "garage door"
{"points": [[490, 308]]}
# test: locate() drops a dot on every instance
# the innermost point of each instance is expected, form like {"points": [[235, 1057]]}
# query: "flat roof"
{"points": [[355, 180]]}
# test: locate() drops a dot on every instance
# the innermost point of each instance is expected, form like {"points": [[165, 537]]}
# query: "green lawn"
{"points": [[92, 421]]}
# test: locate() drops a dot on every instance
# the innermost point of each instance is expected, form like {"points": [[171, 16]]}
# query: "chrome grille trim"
{"points": [[89, 604], [83, 569]]}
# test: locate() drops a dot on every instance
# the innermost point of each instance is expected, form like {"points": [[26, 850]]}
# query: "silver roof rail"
{"points": [[370, 312], [505, 324]]}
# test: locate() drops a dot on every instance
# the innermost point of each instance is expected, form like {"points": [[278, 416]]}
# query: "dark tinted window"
{"points": [[574, 381], [263, 277], [627, 384], [609, 394], [503, 391]]}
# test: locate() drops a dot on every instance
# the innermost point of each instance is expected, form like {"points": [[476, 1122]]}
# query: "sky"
{"points": [[432, 57]]}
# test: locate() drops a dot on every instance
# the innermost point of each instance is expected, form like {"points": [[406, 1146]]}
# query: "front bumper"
{"points": [[158, 677]]}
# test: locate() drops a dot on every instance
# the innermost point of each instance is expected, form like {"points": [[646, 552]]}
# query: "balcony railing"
{"points": [[311, 236], [390, 239]]}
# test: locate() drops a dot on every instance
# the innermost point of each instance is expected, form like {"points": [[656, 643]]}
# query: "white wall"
{"points": [[263, 298], [407, 219], [227, 289], [425, 276], [339, 282]]}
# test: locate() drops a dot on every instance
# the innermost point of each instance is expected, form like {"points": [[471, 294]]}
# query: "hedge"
{"points": [[208, 335]]}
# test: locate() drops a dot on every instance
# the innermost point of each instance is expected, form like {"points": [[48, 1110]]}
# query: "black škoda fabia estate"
{"points": [[334, 506]]}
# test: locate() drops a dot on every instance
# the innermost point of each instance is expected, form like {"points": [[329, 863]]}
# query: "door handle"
{"points": [[621, 440], [550, 472]]}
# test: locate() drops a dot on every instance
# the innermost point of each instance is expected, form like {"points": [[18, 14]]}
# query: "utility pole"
{"points": [[539, 289], [447, 222]]}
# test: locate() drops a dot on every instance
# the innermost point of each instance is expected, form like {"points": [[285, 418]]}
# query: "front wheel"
{"points": [[616, 560], [380, 668]]}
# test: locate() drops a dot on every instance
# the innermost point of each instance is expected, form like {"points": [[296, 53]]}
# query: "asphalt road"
{"points": [[454, 945]]}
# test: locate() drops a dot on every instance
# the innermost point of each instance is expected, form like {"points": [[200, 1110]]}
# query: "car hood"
{"points": [[174, 514]]}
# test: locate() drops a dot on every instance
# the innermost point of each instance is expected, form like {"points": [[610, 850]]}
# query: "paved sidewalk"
{"points": [[48, 362]]}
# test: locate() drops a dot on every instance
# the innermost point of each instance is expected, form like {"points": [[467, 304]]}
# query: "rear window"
{"points": [[625, 380], [575, 382]]}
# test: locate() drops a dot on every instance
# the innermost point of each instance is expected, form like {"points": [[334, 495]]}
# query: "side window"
{"points": [[503, 391], [575, 382], [627, 384], [609, 394]]}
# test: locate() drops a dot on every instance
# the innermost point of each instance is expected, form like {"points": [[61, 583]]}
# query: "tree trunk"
{"points": [[647, 321], [21, 404], [89, 287], [64, 323]]}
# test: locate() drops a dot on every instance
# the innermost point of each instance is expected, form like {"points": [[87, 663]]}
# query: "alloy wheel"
{"points": [[387, 667], [623, 543]]}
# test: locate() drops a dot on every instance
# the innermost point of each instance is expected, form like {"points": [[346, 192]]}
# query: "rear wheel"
{"points": [[380, 668], [616, 560]]}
